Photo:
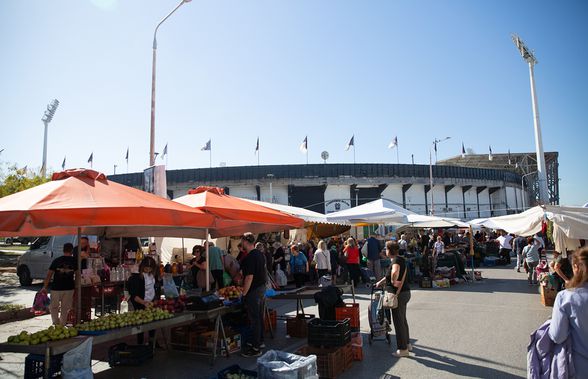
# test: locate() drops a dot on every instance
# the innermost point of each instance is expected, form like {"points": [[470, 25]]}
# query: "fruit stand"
{"points": [[58, 341]]}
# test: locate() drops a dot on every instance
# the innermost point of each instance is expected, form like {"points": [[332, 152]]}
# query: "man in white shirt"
{"points": [[505, 241]]}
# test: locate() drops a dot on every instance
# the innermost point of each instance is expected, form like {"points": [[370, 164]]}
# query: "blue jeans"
{"points": [[254, 306]]}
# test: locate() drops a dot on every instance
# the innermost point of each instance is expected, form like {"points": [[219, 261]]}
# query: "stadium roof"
{"points": [[521, 163]]}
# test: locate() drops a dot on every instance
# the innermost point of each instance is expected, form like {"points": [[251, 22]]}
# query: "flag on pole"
{"points": [[463, 152], [63, 164], [304, 145], [435, 146], [127, 156], [91, 158], [207, 146], [350, 143], [164, 151], [393, 144], [490, 157], [508, 156], [257, 146]]}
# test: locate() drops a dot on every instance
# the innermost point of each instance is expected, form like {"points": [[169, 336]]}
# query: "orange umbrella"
{"points": [[236, 216], [85, 199]]}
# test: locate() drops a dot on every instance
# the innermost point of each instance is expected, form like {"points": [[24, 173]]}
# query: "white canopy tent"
{"points": [[570, 224], [305, 214], [381, 211], [423, 221]]}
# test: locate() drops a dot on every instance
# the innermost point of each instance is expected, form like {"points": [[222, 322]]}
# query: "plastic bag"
{"points": [[275, 364], [77, 363], [41, 303], [169, 286], [280, 277]]}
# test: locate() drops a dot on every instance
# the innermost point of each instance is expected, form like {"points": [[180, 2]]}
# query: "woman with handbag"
{"points": [[397, 297]]}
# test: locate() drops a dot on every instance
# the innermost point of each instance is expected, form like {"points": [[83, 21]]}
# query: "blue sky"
{"points": [[231, 71]]}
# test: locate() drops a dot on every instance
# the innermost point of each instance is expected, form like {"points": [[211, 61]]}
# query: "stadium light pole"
{"points": [[435, 143], [47, 117], [152, 131], [541, 173]]}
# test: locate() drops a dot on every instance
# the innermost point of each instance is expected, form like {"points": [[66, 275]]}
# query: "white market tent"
{"points": [[305, 214], [381, 211], [570, 224], [423, 221]]}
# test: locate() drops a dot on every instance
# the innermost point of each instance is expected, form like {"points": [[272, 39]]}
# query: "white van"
{"points": [[35, 263]]}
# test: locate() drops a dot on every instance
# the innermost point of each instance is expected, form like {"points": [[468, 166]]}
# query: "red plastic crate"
{"points": [[350, 311], [357, 352]]}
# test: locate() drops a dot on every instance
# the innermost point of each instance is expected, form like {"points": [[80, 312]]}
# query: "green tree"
{"points": [[16, 180]]}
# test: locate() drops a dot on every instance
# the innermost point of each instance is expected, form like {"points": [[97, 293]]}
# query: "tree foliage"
{"points": [[16, 180]]}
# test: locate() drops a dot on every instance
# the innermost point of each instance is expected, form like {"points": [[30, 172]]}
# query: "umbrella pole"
{"points": [[183, 253], [120, 262], [79, 281], [207, 264]]}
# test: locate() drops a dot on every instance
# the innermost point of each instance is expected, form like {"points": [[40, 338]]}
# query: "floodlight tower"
{"points": [[47, 117], [541, 172]]}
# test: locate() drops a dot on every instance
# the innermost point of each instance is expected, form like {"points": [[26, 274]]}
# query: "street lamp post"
{"points": [[523, 186], [435, 143], [47, 117], [152, 132], [541, 173]]}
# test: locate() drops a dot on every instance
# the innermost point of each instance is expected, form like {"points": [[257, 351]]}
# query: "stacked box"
{"points": [[298, 326], [328, 333], [329, 361]]}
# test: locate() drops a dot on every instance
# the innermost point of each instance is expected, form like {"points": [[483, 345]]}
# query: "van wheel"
{"points": [[24, 276], [8, 241]]}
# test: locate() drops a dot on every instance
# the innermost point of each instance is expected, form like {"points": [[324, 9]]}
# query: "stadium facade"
{"points": [[458, 191]]}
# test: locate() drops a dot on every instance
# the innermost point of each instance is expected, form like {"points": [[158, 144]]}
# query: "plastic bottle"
{"points": [[124, 304]]}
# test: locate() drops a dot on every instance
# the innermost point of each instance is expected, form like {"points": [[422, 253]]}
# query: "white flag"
{"points": [[463, 152], [394, 143], [304, 145], [207, 146], [490, 157]]}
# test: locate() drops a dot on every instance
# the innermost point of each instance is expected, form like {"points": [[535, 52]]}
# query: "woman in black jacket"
{"points": [[144, 290]]}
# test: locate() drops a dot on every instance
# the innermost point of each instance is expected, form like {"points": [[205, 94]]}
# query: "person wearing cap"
{"points": [[255, 278]]}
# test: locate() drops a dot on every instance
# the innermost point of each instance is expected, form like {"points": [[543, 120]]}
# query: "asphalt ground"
{"points": [[476, 330]]}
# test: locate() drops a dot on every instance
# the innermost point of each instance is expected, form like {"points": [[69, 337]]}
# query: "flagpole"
{"points": [[397, 156], [258, 157], [210, 158], [353, 152]]}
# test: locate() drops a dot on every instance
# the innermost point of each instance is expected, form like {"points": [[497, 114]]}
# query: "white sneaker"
{"points": [[401, 353], [409, 347]]}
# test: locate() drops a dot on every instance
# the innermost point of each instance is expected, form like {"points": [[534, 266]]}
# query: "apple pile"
{"points": [[238, 376], [172, 305], [231, 292], [113, 321], [52, 333]]}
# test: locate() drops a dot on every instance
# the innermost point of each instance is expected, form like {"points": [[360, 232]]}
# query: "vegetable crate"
{"points": [[328, 333], [35, 366], [273, 317], [298, 326], [330, 362], [350, 311]]}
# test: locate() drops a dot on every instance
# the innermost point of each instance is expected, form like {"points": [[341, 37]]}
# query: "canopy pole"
{"points": [[120, 262], [207, 264], [79, 280], [183, 251]]}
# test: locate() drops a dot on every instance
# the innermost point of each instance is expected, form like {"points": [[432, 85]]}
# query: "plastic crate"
{"points": [[273, 320], [329, 362], [350, 311], [347, 355], [35, 366], [547, 296], [328, 333], [357, 352], [235, 369], [298, 326], [129, 355]]}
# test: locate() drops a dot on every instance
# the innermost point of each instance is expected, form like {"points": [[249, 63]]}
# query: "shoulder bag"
{"points": [[391, 299]]}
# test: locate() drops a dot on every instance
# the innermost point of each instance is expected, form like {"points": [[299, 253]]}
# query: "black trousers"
{"points": [[505, 253], [218, 278], [322, 272], [254, 306], [354, 272], [400, 322]]}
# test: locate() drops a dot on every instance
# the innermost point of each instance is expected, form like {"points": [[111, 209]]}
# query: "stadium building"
{"points": [[466, 188]]}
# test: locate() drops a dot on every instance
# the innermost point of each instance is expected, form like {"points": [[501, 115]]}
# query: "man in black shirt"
{"points": [[62, 270], [254, 274]]}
